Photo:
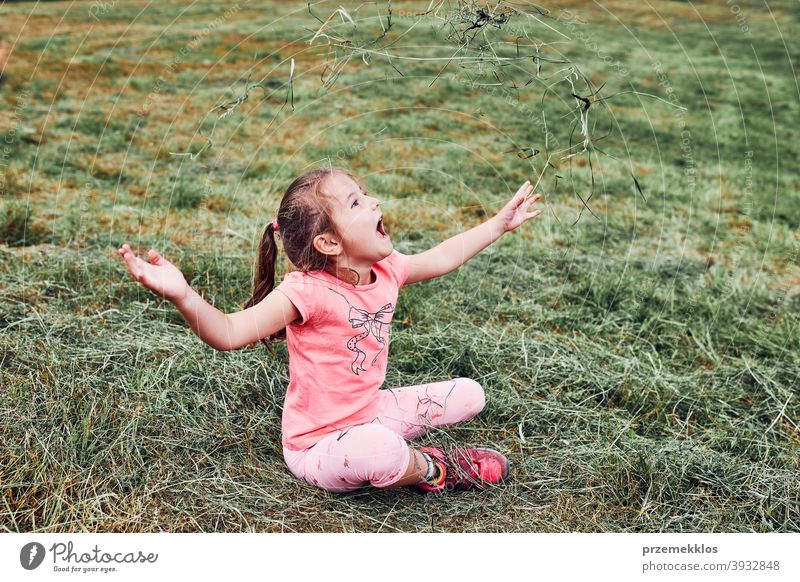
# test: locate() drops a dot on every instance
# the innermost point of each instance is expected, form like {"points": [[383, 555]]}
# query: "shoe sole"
{"points": [[508, 463]]}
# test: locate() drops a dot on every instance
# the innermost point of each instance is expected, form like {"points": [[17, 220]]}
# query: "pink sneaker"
{"points": [[466, 468]]}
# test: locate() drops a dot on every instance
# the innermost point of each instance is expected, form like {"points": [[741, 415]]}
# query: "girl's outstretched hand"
{"points": [[516, 211], [159, 275]]}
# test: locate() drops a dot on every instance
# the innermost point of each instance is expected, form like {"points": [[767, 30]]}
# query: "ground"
{"points": [[638, 364]]}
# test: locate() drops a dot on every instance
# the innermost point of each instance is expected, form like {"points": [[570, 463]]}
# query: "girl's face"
{"points": [[358, 218]]}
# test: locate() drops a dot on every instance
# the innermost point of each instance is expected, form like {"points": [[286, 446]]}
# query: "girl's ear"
{"points": [[327, 244]]}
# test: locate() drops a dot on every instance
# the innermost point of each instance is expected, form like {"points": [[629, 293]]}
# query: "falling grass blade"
{"points": [[638, 187]]}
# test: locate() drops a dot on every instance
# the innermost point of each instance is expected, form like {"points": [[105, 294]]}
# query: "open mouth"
{"points": [[380, 230]]}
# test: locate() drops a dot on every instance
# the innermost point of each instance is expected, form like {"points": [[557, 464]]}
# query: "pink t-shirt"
{"points": [[338, 351]]}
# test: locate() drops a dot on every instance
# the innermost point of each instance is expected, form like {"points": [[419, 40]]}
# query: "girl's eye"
{"points": [[354, 203]]}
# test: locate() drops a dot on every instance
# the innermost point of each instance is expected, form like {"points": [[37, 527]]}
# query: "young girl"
{"points": [[340, 431]]}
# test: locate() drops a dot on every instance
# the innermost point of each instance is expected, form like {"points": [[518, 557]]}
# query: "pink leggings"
{"points": [[376, 454]]}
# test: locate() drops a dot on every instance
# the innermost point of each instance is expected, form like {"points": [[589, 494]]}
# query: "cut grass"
{"points": [[640, 368]]}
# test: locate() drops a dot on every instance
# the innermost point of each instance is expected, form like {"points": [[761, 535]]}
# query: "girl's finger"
{"points": [[533, 200], [124, 254], [131, 262]]}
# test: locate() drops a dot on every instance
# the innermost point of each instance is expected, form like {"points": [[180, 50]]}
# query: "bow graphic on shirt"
{"points": [[372, 323]]}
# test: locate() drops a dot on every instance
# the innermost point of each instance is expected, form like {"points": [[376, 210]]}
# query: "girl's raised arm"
{"points": [[220, 331]]}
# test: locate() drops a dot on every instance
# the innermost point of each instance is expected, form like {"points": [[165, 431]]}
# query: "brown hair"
{"points": [[303, 213]]}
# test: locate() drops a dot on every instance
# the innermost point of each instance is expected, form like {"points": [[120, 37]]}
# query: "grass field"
{"points": [[638, 364]]}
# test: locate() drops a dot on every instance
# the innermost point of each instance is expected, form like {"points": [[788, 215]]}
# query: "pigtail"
{"points": [[303, 213], [264, 279]]}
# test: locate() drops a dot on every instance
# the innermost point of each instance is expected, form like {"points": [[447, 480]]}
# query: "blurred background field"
{"points": [[637, 361]]}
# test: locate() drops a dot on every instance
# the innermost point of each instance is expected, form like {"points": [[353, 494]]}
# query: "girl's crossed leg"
{"points": [[376, 454]]}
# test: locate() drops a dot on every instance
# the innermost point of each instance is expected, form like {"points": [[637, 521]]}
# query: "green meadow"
{"points": [[635, 347]]}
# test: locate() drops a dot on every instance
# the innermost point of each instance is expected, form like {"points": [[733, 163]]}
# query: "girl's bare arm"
{"points": [[220, 331], [457, 250], [235, 330]]}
